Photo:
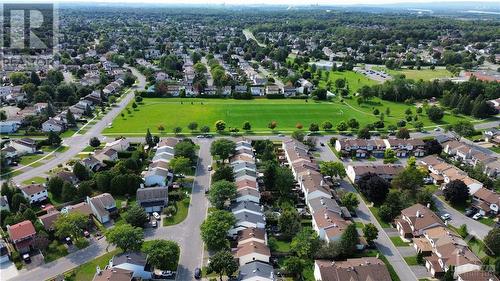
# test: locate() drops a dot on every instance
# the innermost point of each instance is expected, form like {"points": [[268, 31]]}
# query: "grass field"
{"points": [[86, 272], [173, 112], [425, 74]]}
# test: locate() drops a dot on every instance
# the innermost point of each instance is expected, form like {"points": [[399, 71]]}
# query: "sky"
{"points": [[255, 2]]}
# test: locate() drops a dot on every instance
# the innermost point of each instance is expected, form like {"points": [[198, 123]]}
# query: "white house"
{"points": [[102, 206], [120, 145], [156, 177], [133, 261], [34, 193], [248, 194], [247, 220], [23, 146], [252, 251], [53, 125]]}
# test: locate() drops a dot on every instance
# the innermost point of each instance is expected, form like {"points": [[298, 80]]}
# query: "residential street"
{"points": [[383, 243], [186, 233], [474, 227], [78, 142]]}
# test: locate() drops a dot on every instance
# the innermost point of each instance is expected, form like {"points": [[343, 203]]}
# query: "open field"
{"points": [[425, 74], [354, 80], [172, 112]]}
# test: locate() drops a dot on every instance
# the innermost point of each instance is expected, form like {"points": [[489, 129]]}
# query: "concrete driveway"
{"points": [[8, 270]]}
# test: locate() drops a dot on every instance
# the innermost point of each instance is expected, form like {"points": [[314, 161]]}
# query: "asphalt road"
{"points": [[383, 243], [78, 142], [474, 227]]}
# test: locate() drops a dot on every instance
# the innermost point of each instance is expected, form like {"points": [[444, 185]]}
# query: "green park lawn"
{"points": [[425, 74], [86, 272]]}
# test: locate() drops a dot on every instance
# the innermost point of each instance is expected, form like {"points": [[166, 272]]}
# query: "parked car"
{"points": [[281, 135], [26, 258], [209, 167], [446, 217], [200, 136], [197, 273], [168, 274], [322, 144], [156, 216], [86, 234], [68, 241], [154, 223], [470, 212], [477, 216]]}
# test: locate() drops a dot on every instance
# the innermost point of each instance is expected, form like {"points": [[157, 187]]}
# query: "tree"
{"points": [[17, 200], [162, 254], [247, 126], [353, 123], [149, 139], [464, 128], [70, 118], [449, 274], [223, 172], [332, 169], [411, 179], [272, 125], [223, 148], [30, 215], [373, 187], [364, 133], [55, 186], [370, 232], [220, 125], [214, 229], [69, 192], [350, 201], [85, 189], [192, 126], [284, 181], [54, 139], [314, 127], [205, 129], [327, 125], [492, 241], [342, 126], [80, 171], [298, 135], [136, 216], [70, 225], [186, 148], [349, 239], [456, 192], [403, 133], [220, 192], [435, 113], [125, 237], [176, 130], [94, 142], [180, 165], [305, 243], [222, 263], [289, 221], [294, 266]]}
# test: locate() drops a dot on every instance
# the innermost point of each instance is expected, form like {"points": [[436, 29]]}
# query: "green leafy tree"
{"points": [[214, 229], [289, 222], [81, 171], [294, 266], [492, 241], [349, 240], [353, 123], [327, 125], [370, 232], [162, 254], [136, 216], [403, 133], [94, 142], [435, 113], [314, 127], [149, 139], [350, 201], [205, 129], [342, 126], [247, 126], [223, 148], [364, 133], [192, 126], [180, 165], [305, 243], [223, 172], [177, 130], [220, 125], [69, 192], [221, 192], [17, 200], [55, 186], [70, 225], [222, 263], [126, 237], [284, 181], [456, 192], [333, 169], [70, 118], [54, 139]]}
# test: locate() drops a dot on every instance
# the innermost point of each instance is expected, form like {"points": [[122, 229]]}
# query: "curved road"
{"points": [[77, 143]]}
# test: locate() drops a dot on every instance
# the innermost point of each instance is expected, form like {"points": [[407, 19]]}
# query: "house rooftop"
{"points": [[21, 230]]}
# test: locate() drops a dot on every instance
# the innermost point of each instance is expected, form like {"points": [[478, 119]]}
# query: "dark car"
{"points": [[197, 273], [470, 212]]}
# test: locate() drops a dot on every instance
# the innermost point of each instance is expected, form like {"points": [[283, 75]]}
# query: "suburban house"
{"points": [[477, 275], [81, 208], [313, 185], [327, 203], [24, 146], [406, 147], [48, 219], [35, 193], [92, 163], [53, 125], [415, 219], [152, 199], [113, 274], [361, 148], [329, 225], [102, 205], [21, 235], [106, 154], [242, 184], [247, 220], [246, 206], [132, 261], [252, 235], [248, 194], [486, 201], [157, 177], [256, 271], [252, 251], [385, 171], [120, 144], [9, 126], [473, 155], [362, 269]]}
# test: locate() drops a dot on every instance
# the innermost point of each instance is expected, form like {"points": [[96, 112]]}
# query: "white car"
{"points": [[209, 167], [156, 216], [477, 216], [446, 217]]}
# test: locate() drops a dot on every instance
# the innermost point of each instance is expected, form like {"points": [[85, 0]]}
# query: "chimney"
{"points": [[326, 216], [418, 214], [322, 201], [98, 269], [428, 205], [321, 183]]}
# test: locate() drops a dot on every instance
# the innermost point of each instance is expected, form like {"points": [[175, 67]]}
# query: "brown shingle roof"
{"points": [[21, 230], [358, 269], [49, 219], [252, 247], [248, 233], [33, 189]]}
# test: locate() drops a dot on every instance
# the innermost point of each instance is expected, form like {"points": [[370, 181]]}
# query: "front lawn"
{"points": [[181, 214], [86, 271], [35, 180], [374, 211], [398, 242], [411, 260]]}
